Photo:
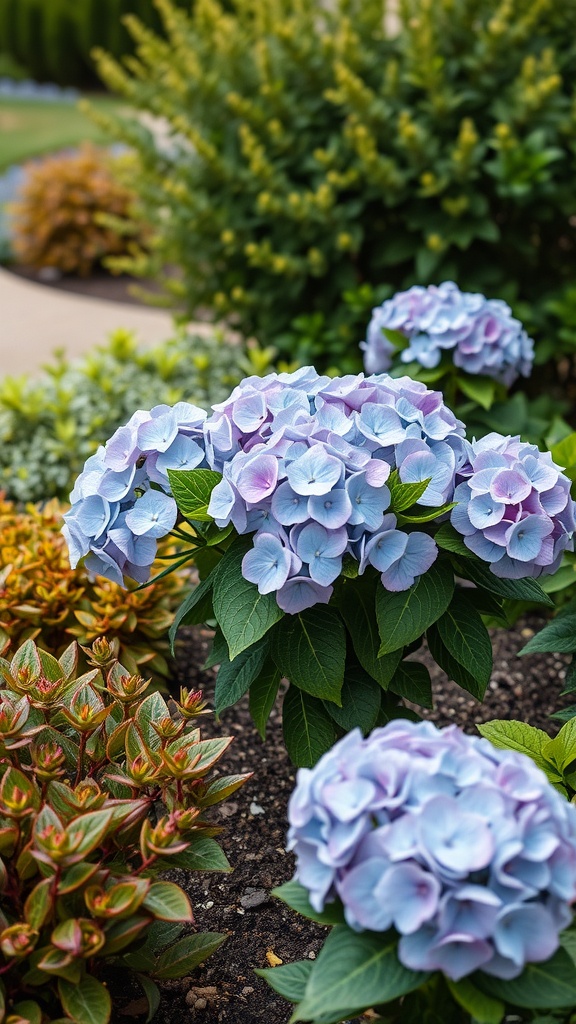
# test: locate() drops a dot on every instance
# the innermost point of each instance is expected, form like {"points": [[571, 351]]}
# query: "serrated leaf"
{"points": [[412, 681], [547, 986], [516, 590], [559, 636], [520, 736], [308, 729], [87, 1002], [403, 617], [192, 489], [361, 696], [235, 677], [263, 693], [243, 614], [187, 954], [355, 970], [310, 650], [295, 896], [358, 609], [404, 496], [466, 638], [288, 980]]}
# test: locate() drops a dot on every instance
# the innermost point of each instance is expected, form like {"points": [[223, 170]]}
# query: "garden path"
{"points": [[35, 320]]}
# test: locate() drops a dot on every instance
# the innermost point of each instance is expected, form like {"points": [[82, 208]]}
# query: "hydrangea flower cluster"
{"points": [[482, 334], [514, 507], [466, 850], [117, 517]]}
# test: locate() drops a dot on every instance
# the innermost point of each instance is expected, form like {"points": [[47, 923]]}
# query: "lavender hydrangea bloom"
{"points": [[514, 507], [482, 334], [466, 850]]}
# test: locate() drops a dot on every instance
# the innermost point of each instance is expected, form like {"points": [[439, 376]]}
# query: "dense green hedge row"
{"points": [[53, 39]]}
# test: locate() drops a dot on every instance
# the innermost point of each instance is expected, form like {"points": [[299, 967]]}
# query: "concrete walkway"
{"points": [[35, 320]]}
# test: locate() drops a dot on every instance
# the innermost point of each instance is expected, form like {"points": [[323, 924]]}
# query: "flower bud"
{"points": [[19, 940]]}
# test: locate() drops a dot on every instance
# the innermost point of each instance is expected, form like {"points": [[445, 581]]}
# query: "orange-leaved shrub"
{"points": [[42, 598], [65, 214]]}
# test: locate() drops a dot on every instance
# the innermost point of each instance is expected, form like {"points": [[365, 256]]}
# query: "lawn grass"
{"points": [[31, 128]]}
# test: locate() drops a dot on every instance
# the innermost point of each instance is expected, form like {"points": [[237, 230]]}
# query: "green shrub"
{"points": [[316, 159], [53, 39], [50, 424], [103, 788]]}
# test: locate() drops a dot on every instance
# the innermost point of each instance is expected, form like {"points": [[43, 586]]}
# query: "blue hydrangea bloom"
{"points": [[514, 507], [466, 850], [481, 333]]}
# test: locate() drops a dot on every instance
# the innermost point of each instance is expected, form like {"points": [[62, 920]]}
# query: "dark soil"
{"points": [[262, 931]]}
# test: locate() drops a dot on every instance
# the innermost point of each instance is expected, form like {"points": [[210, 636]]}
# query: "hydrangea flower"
{"points": [[305, 463], [482, 334], [514, 507], [466, 850]]}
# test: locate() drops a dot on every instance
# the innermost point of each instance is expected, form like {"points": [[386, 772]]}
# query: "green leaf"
{"points": [[361, 697], [453, 669], [480, 389], [187, 954], [152, 993], [420, 514], [92, 827], [244, 615], [218, 652], [296, 897], [403, 496], [547, 986], [288, 980], [527, 739], [263, 693], [152, 709], [203, 854], [39, 904], [405, 616], [558, 636], [235, 677], [308, 730], [562, 749], [482, 1008], [448, 538], [412, 681], [310, 650], [196, 608], [88, 1002], [192, 489], [355, 970], [466, 638], [76, 876], [358, 609], [167, 902], [28, 1010], [516, 590]]}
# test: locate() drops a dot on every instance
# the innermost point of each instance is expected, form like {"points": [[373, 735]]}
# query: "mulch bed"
{"points": [[259, 927]]}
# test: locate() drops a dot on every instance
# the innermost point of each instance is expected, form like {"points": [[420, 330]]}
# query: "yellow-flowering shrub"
{"points": [[62, 216], [42, 598]]}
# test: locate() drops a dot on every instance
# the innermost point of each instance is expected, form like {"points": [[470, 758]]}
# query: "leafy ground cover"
{"points": [[31, 128]]}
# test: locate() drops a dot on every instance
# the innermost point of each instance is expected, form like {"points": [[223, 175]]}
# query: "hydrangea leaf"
{"points": [[518, 590], [288, 980], [357, 608], [480, 389], [550, 985], [466, 638], [403, 496], [194, 609], [192, 489], [308, 729], [412, 681], [297, 898], [243, 614], [520, 736], [449, 539], [453, 669], [482, 1008], [355, 970], [405, 616], [558, 636], [263, 693], [361, 698], [235, 677], [310, 650]]}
